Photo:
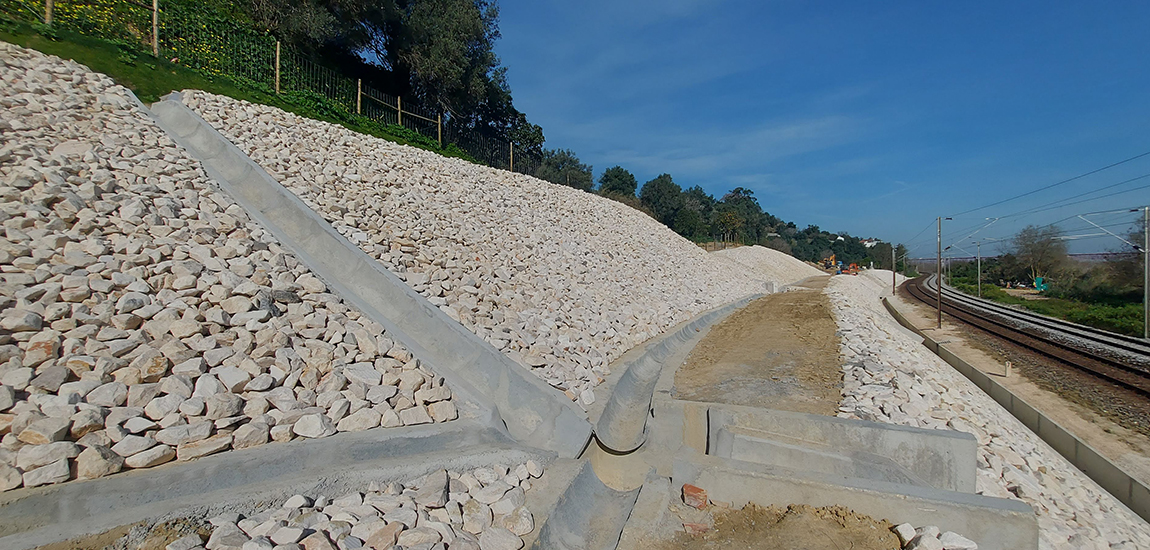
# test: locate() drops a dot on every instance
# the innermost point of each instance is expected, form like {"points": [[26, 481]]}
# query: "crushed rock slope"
{"points": [[561, 280], [890, 377], [146, 318], [770, 265]]}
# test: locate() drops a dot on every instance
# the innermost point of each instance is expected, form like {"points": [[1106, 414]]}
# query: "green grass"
{"points": [[1123, 319], [151, 78]]}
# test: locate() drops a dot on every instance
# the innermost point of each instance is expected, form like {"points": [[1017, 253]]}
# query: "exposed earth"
{"points": [[798, 526], [778, 352]]}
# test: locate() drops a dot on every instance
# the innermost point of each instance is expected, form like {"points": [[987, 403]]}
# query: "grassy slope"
{"points": [[151, 78], [1125, 319]]}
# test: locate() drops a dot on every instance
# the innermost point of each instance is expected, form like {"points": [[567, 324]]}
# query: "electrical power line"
{"points": [[1056, 184], [1055, 205]]}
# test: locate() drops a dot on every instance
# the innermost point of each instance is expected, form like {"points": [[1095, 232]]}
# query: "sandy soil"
{"points": [[1059, 393], [141, 536], [778, 352], [799, 526]]}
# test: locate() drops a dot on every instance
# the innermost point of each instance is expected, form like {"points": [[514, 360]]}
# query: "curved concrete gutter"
{"points": [[534, 413], [622, 426], [589, 515]]}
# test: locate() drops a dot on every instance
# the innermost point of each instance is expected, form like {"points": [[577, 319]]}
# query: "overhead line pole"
{"points": [[893, 272], [978, 248], [938, 273], [1146, 271]]}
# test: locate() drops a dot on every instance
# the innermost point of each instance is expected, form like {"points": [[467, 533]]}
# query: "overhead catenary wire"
{"points": [[1053, 185]]}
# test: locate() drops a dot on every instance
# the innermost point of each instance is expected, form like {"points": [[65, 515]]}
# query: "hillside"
{"points": [[563, 281], [770, 265]]}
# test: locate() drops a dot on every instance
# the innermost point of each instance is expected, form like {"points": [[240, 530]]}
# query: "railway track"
{"points": [[1115, 358]]}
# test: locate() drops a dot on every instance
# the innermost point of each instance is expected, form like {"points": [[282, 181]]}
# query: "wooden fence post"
{"points": [[399, 110], [439, 128], [358, 96], [511, 147], [156, 28], [48, 12], [277, 66]]}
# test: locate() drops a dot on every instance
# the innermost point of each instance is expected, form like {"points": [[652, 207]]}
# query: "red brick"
{"points": [[695, 497]]}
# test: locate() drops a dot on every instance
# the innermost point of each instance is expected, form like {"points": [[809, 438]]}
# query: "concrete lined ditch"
{"points": [[610, 471]]}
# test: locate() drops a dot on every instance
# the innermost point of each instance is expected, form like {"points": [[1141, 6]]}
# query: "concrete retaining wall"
{"points": [[1123, 486], [533, 412]]}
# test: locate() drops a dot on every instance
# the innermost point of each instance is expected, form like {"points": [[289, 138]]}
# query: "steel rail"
{"points": [[1106, 368]]}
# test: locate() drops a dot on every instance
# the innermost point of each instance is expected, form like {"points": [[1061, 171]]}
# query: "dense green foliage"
{"points": [[440, 52], [150, 78], [1123, 319], [1103, 294], [618, 181], [563, 167], [663, 196]]}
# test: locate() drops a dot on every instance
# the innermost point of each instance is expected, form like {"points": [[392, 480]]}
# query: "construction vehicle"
{"points": [[829, 262]]}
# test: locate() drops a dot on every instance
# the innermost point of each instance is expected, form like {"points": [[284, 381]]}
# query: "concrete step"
{"points": [[941, 459], [761, 448]]}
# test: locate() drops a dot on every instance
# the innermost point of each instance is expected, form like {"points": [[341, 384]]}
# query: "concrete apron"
{"points": [[647, 444], [252, 479]]}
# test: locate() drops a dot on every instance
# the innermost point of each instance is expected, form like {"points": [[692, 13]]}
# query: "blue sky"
{"points": [[865, 117]]}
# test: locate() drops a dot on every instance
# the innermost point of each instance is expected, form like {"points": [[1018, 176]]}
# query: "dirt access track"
{"points": [[778, 352]]}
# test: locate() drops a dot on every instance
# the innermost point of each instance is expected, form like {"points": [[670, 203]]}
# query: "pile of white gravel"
{"points": [[146, 318], [770, 265], [479, 509], [890, 377], [561, 280]]}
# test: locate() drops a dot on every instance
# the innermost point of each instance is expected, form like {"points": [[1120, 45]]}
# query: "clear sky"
{"points": [[866, 117]]}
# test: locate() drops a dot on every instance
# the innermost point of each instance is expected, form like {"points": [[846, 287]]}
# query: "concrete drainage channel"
{"points": [[611, 472]]}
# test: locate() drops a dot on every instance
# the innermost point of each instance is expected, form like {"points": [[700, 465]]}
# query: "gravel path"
{"points": [[889, 377], [146, 318], [561, 280]]}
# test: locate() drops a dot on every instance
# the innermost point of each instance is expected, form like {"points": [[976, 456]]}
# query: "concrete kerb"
{"points": [[533, 412], [250, 479], [620, 425], [1124, 487], [995, 524], [942, 459]]}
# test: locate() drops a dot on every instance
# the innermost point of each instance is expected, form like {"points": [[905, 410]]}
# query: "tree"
{"points": [[662, 196], [728, 223], [1040, 250], [563, 167], [1125, 271], [900, 253], [689, 224], [695, 198], [618, 181], [439, 51], [528, 136]]}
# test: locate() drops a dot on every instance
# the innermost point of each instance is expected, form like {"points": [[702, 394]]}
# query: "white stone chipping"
{"points": [[479, 509], [770, 265], [889, 377], [145, 317], [562, 280]]}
